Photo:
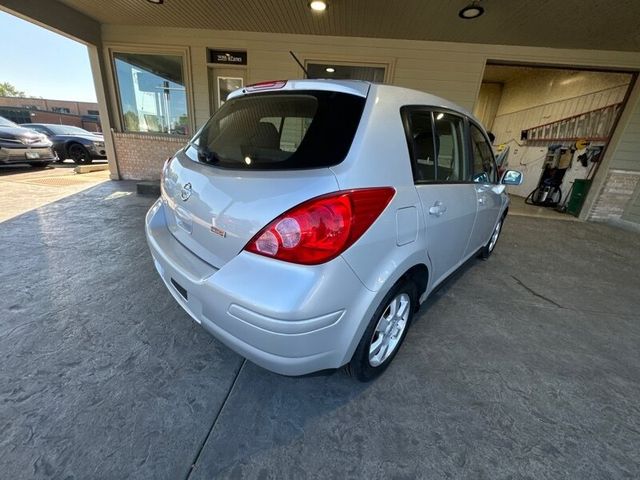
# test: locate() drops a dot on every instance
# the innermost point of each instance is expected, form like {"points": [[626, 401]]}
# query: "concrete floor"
{"points": [[519, 207], [524, 366]]}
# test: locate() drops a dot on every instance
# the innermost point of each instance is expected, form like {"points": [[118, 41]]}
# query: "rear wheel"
{"points": [[79, 154], [385, 333]]}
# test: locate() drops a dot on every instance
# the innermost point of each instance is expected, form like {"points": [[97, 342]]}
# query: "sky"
{"points": [[42, 63]]}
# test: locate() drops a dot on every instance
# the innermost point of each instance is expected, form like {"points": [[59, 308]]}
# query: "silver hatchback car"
{"points": [[304, 224]]}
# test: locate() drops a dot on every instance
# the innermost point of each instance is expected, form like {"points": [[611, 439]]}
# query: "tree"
{"points": [[8, 90]]}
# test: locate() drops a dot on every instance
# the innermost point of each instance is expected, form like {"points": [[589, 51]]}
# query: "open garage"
{"points": [[523, 366]]}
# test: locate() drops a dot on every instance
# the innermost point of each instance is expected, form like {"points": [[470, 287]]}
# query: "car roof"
{"points": [[404, 96], [50, 125]]}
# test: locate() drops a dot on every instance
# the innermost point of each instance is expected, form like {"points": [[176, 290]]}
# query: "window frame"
{"points": [[405, 112], [388, 63], [182, 52], [471, 123]]}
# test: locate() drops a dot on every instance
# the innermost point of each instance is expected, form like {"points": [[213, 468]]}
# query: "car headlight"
{"points": [[98, 144]]}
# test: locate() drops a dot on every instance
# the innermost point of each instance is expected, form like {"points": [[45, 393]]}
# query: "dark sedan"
{"points": [[78, 144], [21, 145]]}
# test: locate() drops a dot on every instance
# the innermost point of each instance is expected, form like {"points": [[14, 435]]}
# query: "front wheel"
{"points": [[385, 333]]}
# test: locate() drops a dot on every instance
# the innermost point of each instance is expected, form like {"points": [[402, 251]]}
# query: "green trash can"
{"points": [[578, 194]]}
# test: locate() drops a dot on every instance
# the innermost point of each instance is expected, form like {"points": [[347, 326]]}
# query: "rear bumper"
{"points": [[287, 318]]}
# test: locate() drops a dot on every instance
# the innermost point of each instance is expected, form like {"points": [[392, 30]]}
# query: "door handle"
{"points": [[438, 209]]}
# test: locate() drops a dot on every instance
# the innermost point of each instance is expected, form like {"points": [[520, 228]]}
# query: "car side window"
{"points": [[449, 147], [484, 167], [420, 136]]}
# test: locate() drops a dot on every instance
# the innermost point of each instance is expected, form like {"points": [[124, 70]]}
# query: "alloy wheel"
{"points": [[494, 236], [389, 330]]}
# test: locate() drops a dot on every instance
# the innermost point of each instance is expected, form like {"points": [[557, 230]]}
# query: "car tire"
{"points": [[40, 165], [387, 329], [487, 250], [79, 154]]}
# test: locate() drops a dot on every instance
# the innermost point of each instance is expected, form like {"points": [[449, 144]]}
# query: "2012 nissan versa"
{"points": [[304, 224]]}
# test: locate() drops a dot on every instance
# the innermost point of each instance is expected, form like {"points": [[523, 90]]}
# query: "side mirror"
{"points": [[512, 177]]}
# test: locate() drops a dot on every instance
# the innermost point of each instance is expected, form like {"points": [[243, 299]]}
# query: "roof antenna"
{"points": [[306, 74]]}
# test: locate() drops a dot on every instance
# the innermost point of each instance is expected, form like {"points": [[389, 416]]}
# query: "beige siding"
{"points": [[451, 70], [627, 155], [632, 212]]}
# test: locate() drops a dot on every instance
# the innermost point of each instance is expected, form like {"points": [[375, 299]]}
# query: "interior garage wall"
{"points": [[451, 70], [554, 85], [547, 96], [539, 96], [487, 104]]}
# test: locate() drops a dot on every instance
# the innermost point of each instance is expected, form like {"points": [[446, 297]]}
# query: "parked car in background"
{"points": [[307, 220], [21, 145], [78, 144]]}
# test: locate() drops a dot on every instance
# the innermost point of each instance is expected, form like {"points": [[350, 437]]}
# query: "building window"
{"points": [[60, 110], [93, 112], [346, 72], [153, 96]]}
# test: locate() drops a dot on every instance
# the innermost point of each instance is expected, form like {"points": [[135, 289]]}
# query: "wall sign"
{"points": [[227, 57]]}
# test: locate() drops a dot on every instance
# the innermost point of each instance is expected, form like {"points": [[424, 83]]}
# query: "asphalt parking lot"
{"points": [[524, 366]]}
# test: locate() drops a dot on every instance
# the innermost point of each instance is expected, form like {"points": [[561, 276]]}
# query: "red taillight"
{"points": [[320, 229]]}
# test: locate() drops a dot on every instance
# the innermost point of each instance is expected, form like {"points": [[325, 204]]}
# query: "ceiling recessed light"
{"points": [[471, 11], [330, 69], [318, 5]]}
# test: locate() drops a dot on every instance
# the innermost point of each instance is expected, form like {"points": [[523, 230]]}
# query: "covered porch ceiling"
{"points": [[587, 24]]}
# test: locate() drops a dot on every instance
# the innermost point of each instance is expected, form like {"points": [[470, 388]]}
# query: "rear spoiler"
{"points": [[353, 87]]}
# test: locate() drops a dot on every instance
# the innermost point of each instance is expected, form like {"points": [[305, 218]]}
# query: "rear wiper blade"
{"points": [[207, 156]]}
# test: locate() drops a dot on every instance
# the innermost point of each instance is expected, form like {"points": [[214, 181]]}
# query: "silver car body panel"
{"points": [[296, 319]]}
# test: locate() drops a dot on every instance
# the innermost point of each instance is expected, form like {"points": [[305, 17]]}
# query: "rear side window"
{"points": [[484, 167], [437, 146], [276, 131]]}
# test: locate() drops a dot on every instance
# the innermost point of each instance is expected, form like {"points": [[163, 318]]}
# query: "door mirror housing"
{"points": [[512, 177]]}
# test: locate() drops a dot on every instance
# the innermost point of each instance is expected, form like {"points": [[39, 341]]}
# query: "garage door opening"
{"points": [[552, 124]]}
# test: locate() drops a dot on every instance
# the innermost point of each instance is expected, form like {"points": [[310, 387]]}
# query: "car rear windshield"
{"points": [[278, 131]]}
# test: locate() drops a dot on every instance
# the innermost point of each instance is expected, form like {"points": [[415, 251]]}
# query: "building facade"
{"points": [[157, 84], [43, 110]]}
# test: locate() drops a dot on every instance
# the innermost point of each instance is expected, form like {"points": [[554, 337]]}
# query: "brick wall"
{"points": [[141, 156], [615, 195]]}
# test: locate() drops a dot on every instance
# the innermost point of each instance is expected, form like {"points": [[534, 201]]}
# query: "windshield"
{"points": [[68, 130], [6, 123], [284, 130]]}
